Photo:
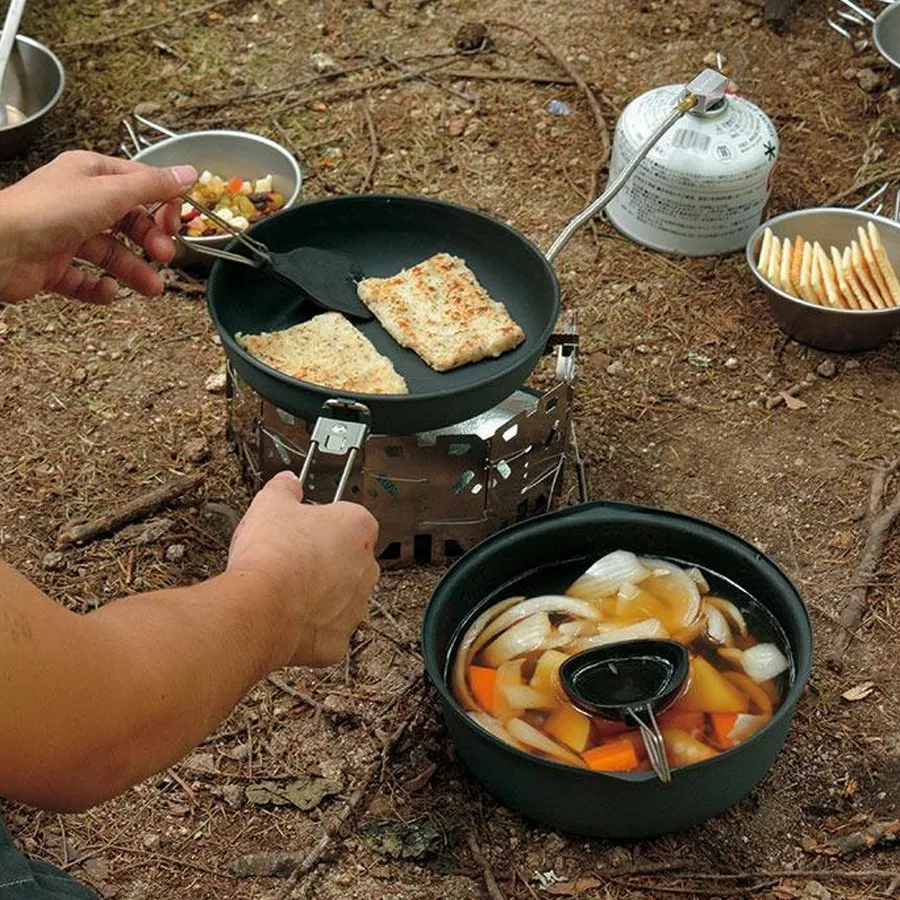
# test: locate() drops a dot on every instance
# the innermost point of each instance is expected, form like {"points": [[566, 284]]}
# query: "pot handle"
{"points": [[134, 129], [341, 430]]}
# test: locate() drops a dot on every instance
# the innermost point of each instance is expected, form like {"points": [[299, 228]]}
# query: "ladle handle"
{"points": [[653, 741], [8, 36]]}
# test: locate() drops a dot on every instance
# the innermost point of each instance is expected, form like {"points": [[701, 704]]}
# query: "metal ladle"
{"points": [[7, 42], [630, 682]]}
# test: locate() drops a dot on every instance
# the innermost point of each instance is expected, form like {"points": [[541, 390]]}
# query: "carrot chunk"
{"points": [[233, 185], [482, 681], [722, 725], [612, 756]]}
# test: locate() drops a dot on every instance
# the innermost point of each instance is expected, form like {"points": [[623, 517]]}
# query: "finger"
{"points": [[126, 184], [286, 481], [147, 231], [82, 285], [107, 253]]}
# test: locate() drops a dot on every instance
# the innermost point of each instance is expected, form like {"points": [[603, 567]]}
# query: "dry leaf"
{"points": [[793, 402], [418, 781], [860, 692]]}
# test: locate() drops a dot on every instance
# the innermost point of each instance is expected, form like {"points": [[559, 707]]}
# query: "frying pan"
{"points": [[383, 234], [544, 555]]}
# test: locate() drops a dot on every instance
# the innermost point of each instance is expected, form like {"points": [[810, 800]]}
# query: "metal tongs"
{"points": [[325, 277]]}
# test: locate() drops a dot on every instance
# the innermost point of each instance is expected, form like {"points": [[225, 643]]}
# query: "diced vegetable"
{"points": [[522, 697], [545, 677], [482, 682], [612, 756], [607, 575], [721, 725], [727, 608], [634, 603], [532, 737], [746, 726], [508, 675], [764, 661], [694, 723], [491, 725], [682, 749], [708, 691], [569, 726], [523, 637], [233, 200], [758, 697], [716, 627], [649, 628]]}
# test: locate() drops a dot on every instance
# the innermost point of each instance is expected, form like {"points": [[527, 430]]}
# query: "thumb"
{"points": [[286, 481], [136, 184]]}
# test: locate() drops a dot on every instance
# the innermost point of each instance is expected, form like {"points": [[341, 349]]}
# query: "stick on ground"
{"points": [[114, 519], [881, 517]]}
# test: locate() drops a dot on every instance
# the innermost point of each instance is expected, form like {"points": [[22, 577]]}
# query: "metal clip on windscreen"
{"points": [[339, 437]]}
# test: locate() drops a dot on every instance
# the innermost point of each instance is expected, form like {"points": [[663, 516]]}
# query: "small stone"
{"points": [[150, 840], [869, 80], [322, 63], [215, 384], [457, 126], [827, 368], [79, 376], [196, 450], [345, 879], [54, 561], [175, 553], [617, 367], [233, 795], [731, 363], [318, 106]]}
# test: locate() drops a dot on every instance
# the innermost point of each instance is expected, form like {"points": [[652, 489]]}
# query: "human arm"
{"points": [[91, 704], [64, 211]]}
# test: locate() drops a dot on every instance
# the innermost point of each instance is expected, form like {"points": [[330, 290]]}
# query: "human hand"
{"points": [[62, 212], [318, 559]]}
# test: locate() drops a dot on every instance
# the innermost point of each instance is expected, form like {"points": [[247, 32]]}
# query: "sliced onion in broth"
{"points": [[607, 575], [675, 590], [530, 736]]}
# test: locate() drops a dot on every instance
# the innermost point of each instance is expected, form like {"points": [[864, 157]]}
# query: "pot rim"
{"points": [[289, 202], [60, 87], [436, 669]]}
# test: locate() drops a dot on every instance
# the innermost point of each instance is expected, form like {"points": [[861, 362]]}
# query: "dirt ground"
{"points": [[679, 405]]}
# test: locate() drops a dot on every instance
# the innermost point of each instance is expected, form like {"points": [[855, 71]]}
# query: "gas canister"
{"points": [[702, 188]]}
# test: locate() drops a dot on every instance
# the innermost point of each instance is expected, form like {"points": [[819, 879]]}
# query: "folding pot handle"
{"points": [[134, 129], [339, 436]]}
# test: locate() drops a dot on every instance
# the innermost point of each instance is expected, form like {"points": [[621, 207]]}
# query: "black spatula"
{"points": [[325, 278]]}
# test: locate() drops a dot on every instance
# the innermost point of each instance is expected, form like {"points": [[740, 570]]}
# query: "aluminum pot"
{"points": [[33, 83], [544, 555]]}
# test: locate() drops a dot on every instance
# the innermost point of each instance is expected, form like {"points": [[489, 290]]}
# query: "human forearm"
{"points": [[120, 693]]}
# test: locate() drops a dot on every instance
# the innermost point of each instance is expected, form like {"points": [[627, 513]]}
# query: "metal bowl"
{"points": [[842, 330], [228, 154], [886, 34], [33, 83]]}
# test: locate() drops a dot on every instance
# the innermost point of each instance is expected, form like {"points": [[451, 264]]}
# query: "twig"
{"points": [[300, 882], [779, 398], [282, 685], [881, 518], [490, 882], [890, 175], [464, 75], [140, 29], [373, 145], [561, 61], [876, 834], [113, 520]]}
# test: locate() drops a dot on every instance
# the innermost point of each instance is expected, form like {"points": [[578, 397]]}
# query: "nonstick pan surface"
{"points": [[383, 234]]}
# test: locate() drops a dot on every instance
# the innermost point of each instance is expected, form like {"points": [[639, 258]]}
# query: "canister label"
{"points": [[702, 189]]}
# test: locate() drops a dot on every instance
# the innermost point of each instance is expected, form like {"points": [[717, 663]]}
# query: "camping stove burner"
{"points": [[435, 494]]}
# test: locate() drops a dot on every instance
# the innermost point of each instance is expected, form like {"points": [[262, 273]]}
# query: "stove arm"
{"points": [[341, 430]]}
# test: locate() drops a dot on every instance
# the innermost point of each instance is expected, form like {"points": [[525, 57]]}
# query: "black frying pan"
{"points": [[383, 234]]}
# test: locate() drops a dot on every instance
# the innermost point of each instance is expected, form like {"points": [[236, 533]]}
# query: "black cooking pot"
{"points": [[545, 555]]}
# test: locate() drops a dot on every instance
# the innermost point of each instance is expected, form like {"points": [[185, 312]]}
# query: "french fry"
{"points": [[773, 273], [806, 291], [765, 251], [786, 264], [884, 264], [829, 281], [862, 273], [862, 298], [815, 277], [850, 301], [873, 267], [797, 261]]}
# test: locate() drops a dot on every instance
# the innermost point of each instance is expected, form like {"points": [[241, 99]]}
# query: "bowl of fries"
{"points": [[831, 276]]}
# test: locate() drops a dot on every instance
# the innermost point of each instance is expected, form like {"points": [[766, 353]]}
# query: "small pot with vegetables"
{"points": [[524, 604]]}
